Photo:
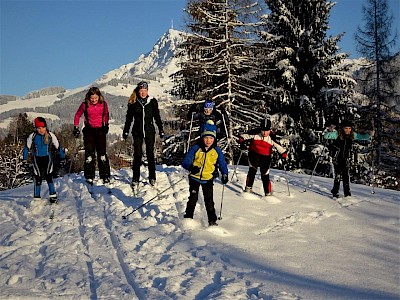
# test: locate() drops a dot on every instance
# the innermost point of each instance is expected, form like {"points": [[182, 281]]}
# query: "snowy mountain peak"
{"points": [[158, 61]]}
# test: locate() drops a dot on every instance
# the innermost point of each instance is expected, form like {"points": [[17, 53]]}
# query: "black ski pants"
{"points": [[341, 173], [95, 141], [149, 139], [208, 189], [43, 168], [259, 161]]}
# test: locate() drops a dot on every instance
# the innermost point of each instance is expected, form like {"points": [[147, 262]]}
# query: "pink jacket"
{"points": [[95, 114]]}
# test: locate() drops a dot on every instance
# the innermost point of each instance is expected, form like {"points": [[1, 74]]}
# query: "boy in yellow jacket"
{"points": [[201, 160]]}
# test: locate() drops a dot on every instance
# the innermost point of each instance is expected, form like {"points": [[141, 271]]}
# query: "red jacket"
{"points": [[261, 145]]}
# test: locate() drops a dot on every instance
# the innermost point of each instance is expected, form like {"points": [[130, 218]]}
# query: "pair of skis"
{"points": [[136, 187], [90, 186]]}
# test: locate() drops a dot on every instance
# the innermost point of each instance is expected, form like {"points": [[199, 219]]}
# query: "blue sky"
{"points": [[71, 43]]}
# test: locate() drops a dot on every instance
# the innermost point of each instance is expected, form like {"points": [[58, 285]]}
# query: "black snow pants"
{"points": [[259, 161], [194, 187], [95, 142], [138, 153], [341, 173]]}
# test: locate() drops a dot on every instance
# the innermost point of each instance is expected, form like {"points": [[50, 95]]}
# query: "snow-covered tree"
{"points": [[375, 39], [218, 59], [304, 65], [19, 129], [14, 172]]}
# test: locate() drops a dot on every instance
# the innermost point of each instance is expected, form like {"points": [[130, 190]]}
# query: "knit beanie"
{"points": [[208, 104], [346, 123], [40, 122], [143, 85], [209, 130]]}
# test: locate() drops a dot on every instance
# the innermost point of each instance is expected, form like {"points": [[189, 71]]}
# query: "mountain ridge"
{"points": [[153, 67]]}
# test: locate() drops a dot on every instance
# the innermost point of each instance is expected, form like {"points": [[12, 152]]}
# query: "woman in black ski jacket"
{"points": [[143, 112]]}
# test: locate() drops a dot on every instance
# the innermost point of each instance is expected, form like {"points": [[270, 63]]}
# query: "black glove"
{"points": [[62, 162], [106, 128], [194, 169], [224, 179], [25, 163], [125, 135], [243, 146], [161, 134], [215, 173], [76, 132]]}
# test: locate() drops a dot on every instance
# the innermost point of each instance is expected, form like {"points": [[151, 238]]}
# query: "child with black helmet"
{"points": [[39, 143], [340, 152], [260, 150]]}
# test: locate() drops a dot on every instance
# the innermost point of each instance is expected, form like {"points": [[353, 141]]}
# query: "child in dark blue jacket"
{"points": [[201, 160], [39, 143], [340, 151]]}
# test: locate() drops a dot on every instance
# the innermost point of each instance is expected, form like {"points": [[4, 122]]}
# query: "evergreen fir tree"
{"points": [[375, 40], [304, 64]]}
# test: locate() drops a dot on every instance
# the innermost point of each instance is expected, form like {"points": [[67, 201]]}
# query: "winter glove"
{"points": [[284, 155], [62, 162], [215, 173], [25, 163], [125, 135], [243, 146], [331, 128], [224, 178], [76, 132], [194, 169], [106, 128]]}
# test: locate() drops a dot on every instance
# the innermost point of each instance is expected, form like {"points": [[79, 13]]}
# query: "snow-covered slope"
{"points": [[302, 246]]}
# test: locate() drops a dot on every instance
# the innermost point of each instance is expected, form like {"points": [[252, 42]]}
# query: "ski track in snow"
{"points": [[90, 247]]}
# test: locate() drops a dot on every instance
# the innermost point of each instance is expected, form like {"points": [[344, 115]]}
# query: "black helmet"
{"points": [[265, 124]]}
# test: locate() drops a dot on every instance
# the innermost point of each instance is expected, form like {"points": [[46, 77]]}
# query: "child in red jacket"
{"points": [[260, 151]]}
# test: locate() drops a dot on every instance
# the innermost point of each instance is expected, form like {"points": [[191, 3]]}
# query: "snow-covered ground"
{"points": [[302, 246]]}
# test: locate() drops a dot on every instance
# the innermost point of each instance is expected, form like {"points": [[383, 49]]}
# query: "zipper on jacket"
{"points": [[143, 116], [204, 162]]}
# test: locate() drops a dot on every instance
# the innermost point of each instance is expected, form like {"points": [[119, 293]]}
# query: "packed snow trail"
{"points": [[302, 246], [105, 266]]}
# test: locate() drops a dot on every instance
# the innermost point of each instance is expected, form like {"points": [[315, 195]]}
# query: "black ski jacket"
{"points": [[143, 117]]}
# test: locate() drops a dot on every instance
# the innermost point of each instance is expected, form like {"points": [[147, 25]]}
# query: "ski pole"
{"points": [[372, 165], [156, 196], [190, 132], [222, 200], [286, 177], [315, 167], [227, 135], [74, 157], [234, 170]]}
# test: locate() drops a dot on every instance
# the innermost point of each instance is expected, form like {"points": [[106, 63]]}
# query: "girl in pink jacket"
{"points": [[95, 110]]}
